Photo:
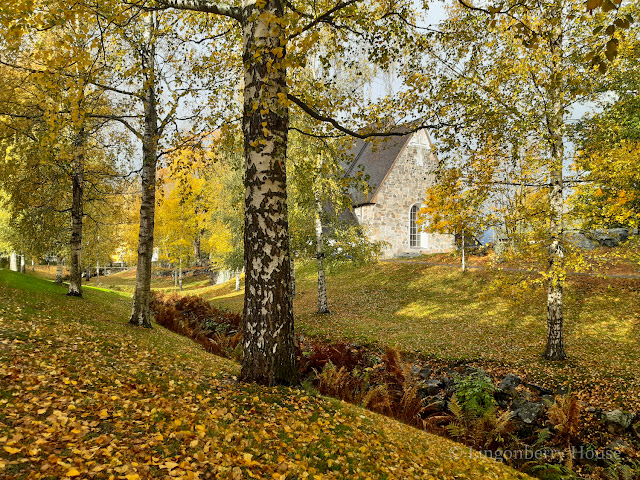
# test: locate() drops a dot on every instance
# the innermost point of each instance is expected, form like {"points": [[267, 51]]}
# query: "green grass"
{"points": [[85, 395], [126, 281], [442, 314]]}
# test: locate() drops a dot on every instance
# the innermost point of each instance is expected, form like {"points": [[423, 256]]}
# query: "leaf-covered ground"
{"points": [[442, 314], [83, 395]]}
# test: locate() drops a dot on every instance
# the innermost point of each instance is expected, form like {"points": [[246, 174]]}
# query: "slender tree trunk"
{"points": [[555, 345], [197, 249], [141, 314], [180, 275], [323, 304], [238, 280], [464, 263], [23, 264], [59, 271], [13, 262], [77, 213], [269, 352], [98, 271]]}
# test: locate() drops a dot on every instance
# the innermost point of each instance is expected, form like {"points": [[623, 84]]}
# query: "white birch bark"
{"points": [[13, 262], [555, 344], [269, 353], [141, 314], [77, 214]]}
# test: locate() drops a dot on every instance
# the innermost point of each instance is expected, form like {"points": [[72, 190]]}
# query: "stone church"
{"points": [[400, 168]]}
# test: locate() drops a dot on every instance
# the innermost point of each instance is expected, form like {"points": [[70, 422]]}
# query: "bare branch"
{"points": [[324, 18], [333, 122], [206, 6]]}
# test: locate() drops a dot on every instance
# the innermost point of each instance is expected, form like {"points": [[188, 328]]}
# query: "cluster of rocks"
{"points": [[528, 402], [611, 237]]}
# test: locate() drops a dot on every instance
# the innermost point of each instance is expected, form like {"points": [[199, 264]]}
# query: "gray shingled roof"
{"points": [[375, 157]]}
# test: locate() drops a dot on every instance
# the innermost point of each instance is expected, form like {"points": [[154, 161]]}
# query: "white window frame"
{"points": [[415, 237]]}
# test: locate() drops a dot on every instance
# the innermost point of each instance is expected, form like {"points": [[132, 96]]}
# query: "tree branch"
{"points": [[324, 18], [206, 6], [322, 118]]}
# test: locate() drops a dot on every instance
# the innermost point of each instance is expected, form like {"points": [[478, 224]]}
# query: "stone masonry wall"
{"points": [[404, 186]]}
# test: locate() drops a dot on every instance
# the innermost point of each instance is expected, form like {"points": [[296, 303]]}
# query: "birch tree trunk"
{"points": [[555, 344], [13, 262], [77, 213], [141, 314], [464, 264], [269, 353], [323, 304], [59, 271]]}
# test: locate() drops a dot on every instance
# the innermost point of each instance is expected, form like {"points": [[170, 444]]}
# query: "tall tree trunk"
{"points": [[555, 344], [77, 213], [269, 352], [59, 270], [464, 263], [197, 249], [180, 275], [23, 264], [14, 266], [141, 314], [323, 304], [98, 271]]}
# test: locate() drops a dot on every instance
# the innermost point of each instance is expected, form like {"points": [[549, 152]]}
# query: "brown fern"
{"points": [[565, 416]]}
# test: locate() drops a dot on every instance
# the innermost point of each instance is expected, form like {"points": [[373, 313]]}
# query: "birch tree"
{"points": [[512, 77], [276, 35]]}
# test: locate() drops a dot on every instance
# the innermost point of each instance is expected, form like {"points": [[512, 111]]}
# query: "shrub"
{"points": [[474, 394]]}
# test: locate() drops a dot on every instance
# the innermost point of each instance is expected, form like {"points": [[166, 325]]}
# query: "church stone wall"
{"points": [[388, 218]]}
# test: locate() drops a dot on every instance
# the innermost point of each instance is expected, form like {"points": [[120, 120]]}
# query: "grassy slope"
{"points": [[444, 314], [82, 394]]}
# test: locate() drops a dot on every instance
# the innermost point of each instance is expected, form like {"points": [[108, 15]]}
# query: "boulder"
{"points": [[425, 372], [583, 242], [529, 412], [502, 398], [611, 237], [431, 387], [618, 421], [435, 404], [539, 389], [510, 382]]}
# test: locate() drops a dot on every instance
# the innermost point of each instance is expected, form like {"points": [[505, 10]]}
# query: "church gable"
{"points": [[389, 213]]}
